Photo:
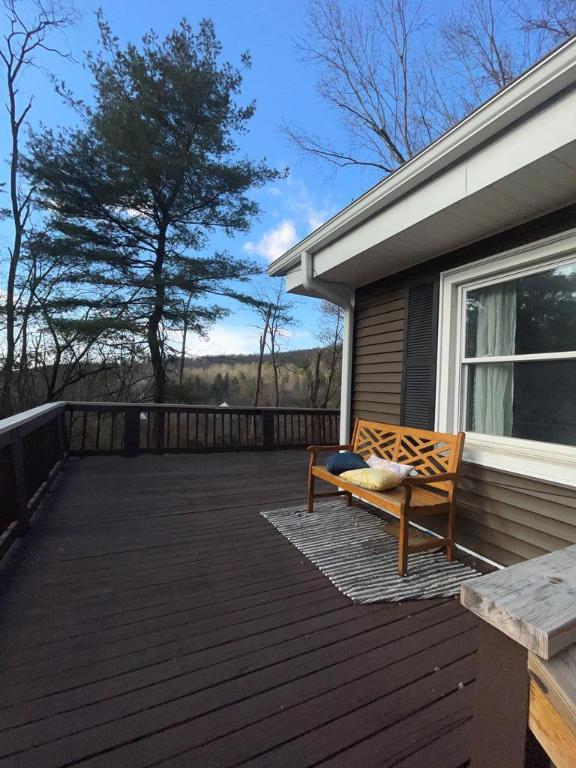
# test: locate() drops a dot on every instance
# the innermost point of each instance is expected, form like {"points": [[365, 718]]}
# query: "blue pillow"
{"points": [[342, 462]]}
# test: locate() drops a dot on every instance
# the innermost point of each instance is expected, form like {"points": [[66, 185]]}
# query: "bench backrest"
{"points": [[431, 453]]}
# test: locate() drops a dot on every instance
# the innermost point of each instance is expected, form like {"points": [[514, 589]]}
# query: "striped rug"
{"points": [[354, 550]]}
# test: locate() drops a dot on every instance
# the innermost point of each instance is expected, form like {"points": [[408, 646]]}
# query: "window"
{"points": [[507, 357], [520, 357]]}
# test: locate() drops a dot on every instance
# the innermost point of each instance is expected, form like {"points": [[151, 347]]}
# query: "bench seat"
{"points": [[436, 456], [392, 499]]}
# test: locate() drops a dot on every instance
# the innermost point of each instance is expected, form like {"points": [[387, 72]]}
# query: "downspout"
{"points": [[343, 296]]}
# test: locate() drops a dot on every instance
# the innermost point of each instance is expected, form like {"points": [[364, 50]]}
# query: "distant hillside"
{"points": [[306, 377], [295, 356]]}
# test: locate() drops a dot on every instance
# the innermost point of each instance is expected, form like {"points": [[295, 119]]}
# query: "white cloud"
{"points": [[225, 340], [274, 242], [296, 212], [316, 215], [304, 206], [242, 338]]}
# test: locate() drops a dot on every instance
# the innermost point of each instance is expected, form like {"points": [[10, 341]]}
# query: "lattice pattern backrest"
{"points": [[431, 453], [370, 437]]}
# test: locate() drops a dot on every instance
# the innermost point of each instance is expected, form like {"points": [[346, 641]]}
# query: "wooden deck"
{"points": [[152, 617]]}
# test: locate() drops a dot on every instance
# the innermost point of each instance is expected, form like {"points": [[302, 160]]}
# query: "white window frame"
{"points": [[546, 461]]}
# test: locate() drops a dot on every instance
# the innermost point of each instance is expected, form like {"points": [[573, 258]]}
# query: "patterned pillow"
{"points": [[341, 462], [372, 479], [404, 470]]}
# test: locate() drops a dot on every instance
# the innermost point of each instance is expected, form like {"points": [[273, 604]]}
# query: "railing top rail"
{"points": [[532, 602], [24, 418], [95, 405]]}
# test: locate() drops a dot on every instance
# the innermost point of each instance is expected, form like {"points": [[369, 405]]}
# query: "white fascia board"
{"points": [[545, 80], [294, 279], [525, 143]]}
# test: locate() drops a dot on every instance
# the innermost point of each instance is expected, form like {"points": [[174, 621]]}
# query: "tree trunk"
{"points": [[276, 387], [261, 355], [183, 352], [153, 330], [275, 370], [53, 379], [315, 382], [24, 364], [155, 347], [331, 375], [155, 343], [6, 399], [23, 372], [184, 337]]}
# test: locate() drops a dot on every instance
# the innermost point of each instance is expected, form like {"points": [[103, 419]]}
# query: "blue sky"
{"points": [[284, 89]]}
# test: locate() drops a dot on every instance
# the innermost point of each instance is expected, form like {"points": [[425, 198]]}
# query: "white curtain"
{"points": [[494, 382]]}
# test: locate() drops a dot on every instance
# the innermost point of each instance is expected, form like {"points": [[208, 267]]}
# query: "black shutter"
{"points": [[419, 371]]}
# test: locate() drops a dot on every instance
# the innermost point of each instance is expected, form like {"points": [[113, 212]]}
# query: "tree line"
{"points": [[307, 378]]}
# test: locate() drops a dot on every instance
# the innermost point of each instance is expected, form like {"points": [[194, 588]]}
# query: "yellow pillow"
{"points": [[372, 479]]}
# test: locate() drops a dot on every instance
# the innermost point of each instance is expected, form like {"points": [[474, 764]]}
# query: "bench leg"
{"points": [[311, 479], [348, 499], [403, 545], [450, 534]]}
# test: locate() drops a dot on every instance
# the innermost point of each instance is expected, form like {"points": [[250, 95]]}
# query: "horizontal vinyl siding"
{"points": [[378, 353], [524, 517], [505, 517]]}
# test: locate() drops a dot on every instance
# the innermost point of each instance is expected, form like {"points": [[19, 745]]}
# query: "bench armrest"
{"points": [[413, 482], [425, 479], [314, 450]]}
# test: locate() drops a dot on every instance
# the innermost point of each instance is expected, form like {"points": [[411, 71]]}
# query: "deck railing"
{"points": [[35, 444], [32, 451], [134, 428]]}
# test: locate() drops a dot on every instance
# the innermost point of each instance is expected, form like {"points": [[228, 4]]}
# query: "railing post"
{"points": [[525, 608], [20, 482], [61, 427], [132, 431], [267, 430], [498, 738]]}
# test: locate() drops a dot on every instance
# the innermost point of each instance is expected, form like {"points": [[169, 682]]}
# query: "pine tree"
{"points": [[155, 168]]}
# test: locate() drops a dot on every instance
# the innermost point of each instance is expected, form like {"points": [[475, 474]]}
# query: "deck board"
{"points": [[152, 617]]}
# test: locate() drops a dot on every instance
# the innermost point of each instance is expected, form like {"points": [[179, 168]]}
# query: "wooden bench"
{"points": [[435, 455]]}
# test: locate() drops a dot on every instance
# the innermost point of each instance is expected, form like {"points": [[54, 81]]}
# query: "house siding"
{"points": [[379, 327], [502, 516]]}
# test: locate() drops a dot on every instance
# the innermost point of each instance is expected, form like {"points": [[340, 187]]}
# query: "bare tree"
{"points": [[486, 44], [277, 314], [396, 77], [482, 52], [22, 41], [552, 21], [265, 313], [330, 333], [70, 326], [370, 72], [312, 369], [128, 379]]}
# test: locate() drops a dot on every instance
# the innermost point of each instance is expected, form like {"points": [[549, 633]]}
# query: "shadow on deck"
{"points": [[152, 617]]}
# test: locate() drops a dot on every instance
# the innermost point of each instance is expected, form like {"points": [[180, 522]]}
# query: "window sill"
{"points": [[549, 462]]}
